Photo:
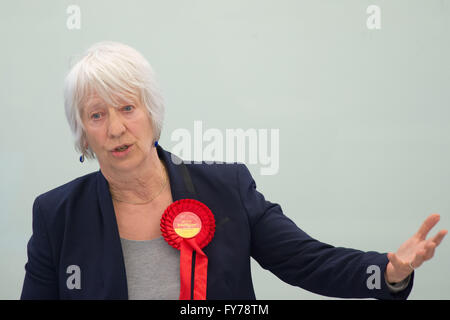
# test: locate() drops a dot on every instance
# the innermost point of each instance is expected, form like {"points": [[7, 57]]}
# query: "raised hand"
{"points": [[414, 251]]}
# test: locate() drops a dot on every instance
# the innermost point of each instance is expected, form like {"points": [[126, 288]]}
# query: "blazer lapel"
{"points": [[180, 180]]}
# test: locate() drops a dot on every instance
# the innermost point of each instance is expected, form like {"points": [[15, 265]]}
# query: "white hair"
{"points": [[112, 71]]}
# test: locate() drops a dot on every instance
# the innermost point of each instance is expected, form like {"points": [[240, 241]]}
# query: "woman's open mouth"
{"points": [[122, 150]]}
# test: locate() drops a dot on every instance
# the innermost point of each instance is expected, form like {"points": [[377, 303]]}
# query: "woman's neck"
{"points": [[140, 185]]}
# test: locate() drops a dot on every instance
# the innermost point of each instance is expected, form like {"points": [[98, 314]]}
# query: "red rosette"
{"points": [[188, 225]]}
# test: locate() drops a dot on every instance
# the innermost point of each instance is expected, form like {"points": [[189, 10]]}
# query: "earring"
{"points": [[82, 155], [156, 143]]}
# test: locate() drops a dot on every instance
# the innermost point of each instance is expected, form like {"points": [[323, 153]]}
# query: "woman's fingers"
{"points": [[438, 238], [427, 225], [417, 247]]}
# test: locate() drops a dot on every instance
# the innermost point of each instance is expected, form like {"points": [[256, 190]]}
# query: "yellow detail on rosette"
{"points": [[187, 224]]}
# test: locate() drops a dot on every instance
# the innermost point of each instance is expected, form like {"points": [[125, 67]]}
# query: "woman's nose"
{"points": [[116, 126]]}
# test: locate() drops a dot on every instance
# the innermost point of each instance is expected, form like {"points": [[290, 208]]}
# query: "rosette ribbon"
{"points": [[188, 225]]}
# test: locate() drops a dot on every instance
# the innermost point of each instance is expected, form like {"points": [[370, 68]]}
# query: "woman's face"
{"points": [[107, 127]]}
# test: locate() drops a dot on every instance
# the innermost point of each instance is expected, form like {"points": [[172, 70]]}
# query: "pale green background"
{"points": [[363, 114]]}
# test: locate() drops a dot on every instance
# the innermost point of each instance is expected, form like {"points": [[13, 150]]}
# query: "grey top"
{"points": [[152, 268]]}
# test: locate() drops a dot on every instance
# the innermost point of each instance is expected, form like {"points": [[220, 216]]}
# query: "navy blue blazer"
{"points": [[75, 224]]}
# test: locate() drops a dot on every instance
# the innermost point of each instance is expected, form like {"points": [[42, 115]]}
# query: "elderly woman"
{"points": [[101, 236]]}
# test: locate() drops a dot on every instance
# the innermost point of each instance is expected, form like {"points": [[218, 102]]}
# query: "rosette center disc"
{"points": [[187, 224]]}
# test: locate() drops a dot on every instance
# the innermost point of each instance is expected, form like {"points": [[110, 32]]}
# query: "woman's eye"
{"points": [[95, 116], [128, 108]]}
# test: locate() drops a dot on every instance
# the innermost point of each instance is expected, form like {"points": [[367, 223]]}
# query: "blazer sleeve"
{"points": [[40, 274], [278, 245]]}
